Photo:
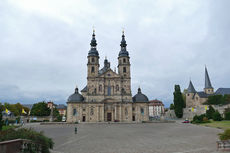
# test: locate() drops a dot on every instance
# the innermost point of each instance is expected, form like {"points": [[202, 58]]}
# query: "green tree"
{"points": [[178, 102], [171, 107], [210, 112], [40, 109], [216, 116], [216, 100], [227, 114], [1, 121]]}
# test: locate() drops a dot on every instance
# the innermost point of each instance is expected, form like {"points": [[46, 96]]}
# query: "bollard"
{"points": [[75, 130]]}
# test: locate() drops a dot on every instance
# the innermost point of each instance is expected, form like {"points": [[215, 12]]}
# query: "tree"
{"points": [[216, 116], [210, 112], [178, 102], [1, 121], [40, 109], [216, 100], [227, 114], [171, 107]]}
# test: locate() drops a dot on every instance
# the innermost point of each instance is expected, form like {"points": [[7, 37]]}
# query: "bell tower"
{"points": [[93, 58], [123, 59]]}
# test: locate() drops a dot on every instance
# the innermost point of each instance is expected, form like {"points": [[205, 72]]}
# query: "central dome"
{"points": [[139, 97], [76, 97]]}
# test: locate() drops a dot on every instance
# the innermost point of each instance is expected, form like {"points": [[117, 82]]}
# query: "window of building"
{"points": [[124, 69], [117, 87], [196, 98], [95, 91], [133, 108], [92, 69], [142, 111], [126, 111], [93, 60], [83, 109], [74, 112], [109, 91], [188, 94], [124, 60], [91, 111], [100, 88]]}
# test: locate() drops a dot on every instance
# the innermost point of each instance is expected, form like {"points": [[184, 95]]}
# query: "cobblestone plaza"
{"points": [[131, 138]]}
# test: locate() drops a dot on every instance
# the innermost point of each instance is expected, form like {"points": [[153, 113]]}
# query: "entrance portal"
{"points": [[109, 117], [83, 118]]}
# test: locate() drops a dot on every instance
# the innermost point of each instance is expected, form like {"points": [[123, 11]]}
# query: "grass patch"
{"points": [[9, 127], [218, 124]]}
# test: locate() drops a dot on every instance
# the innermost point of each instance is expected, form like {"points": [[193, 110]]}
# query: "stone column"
{"points": [[115, 113]]}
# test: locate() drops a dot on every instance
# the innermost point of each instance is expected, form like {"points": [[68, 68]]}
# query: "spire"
{"points": [[93, 51], [191, 88], [207, 80], [123, 45]]}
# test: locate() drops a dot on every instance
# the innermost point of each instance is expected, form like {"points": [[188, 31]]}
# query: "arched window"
{"points": [[93, 60], [124, 69], [74, 112], [100, 88], [124, 60], [117, 87], [126, 111], [95, 91], [109, 91], [142, 111], [91, 111], [92, 69]]}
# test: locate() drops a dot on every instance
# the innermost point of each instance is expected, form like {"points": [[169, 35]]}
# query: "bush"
{"points": [[217, 117], [225, 135], [227, 116], [210, 112], [200, 119], [36, 137]]}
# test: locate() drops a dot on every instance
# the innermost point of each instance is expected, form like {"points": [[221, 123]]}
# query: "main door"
{"points": [[83, 118], [109, 117]]}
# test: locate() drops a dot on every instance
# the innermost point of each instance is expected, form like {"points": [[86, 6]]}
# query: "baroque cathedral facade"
{"points": [[107, 96]]}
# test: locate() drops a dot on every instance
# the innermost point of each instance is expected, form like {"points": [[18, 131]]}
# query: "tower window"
{"points": [[124, 69], [92, 70], [93, 60], [124, 60]]}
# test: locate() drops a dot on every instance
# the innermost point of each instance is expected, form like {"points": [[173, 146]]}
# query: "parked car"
{"points": [[186, 121]]}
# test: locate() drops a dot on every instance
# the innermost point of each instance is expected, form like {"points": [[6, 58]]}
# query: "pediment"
{"points": [[109, 73]]}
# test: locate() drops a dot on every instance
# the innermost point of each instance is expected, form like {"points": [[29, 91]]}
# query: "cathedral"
{"points": [[107, 96], [198, 98]]}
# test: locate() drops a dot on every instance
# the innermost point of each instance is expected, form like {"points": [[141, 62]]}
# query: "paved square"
{"points": [[132, 138]]}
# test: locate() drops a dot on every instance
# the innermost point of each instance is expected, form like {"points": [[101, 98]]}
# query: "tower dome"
{"points": [[139, 97], [76, 97], [93, 50], [123, 45]]}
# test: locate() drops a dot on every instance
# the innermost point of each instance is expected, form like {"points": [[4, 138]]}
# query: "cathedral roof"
{"points": [[84, 89], [139, 97], [191, 88], [207, 80], [223, 91], [76, 97]]}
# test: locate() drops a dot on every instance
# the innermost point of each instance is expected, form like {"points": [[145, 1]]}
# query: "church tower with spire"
{"points": [[93, 58], [208, 89], [124, 66], [190, 94]]}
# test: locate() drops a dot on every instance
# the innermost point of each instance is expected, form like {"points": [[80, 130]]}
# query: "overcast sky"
{"points": [[44, 45]]}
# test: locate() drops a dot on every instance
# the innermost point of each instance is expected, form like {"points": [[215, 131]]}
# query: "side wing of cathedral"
{"points": [[107, 95]]}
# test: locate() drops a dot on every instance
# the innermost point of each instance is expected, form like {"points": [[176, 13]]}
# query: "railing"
{"points": [[19, 146]]}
